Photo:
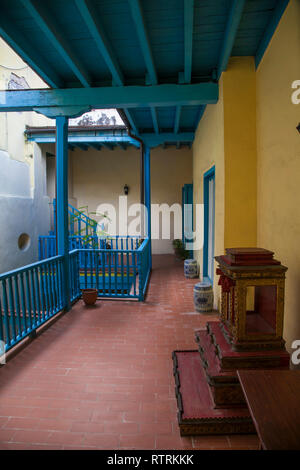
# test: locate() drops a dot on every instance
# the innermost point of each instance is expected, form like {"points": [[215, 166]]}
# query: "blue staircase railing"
{"points": [[79, 223]]}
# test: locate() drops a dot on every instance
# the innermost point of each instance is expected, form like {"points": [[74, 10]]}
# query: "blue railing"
{"points": [[121, 271], [30, 296], [47, 243]]}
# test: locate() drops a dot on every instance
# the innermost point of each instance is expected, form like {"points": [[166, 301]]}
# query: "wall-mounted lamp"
{"points": [[298, 127], [126, 189]]}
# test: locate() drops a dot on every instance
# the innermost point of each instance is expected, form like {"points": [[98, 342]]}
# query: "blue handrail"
{"points": [[78, 221]]}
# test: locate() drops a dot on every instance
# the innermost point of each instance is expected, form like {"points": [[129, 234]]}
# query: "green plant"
{"points": [[179, 249]]}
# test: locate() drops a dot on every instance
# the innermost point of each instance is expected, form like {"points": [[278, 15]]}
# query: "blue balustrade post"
{"points": [[147, 188], [62, 203]]}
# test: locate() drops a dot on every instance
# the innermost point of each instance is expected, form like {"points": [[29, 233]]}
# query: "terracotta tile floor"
{"points": [[101, 377]]}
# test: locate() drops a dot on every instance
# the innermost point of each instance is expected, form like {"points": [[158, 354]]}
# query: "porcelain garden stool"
{"points": [[190, 268], [203, 297]]}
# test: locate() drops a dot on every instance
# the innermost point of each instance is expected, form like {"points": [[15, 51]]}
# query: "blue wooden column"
{"points": [[62, 202], [147, 188]]}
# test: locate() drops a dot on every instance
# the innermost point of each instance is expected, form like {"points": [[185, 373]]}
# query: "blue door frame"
{"points": [[187, 198], [207, 178]]}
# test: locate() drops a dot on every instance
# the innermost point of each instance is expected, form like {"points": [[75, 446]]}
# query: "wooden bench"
{"points": [[273, 398]]}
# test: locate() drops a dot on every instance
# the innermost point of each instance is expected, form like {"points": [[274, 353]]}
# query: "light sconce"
{"points": [[126, 189]]}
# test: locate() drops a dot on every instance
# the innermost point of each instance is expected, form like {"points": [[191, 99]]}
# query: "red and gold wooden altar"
{"points": [[248, 336]]}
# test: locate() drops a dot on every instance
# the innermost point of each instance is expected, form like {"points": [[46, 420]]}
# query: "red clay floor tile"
{"points": [[102, 377]]}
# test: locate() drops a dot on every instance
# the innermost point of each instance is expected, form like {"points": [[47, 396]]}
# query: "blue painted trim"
{"points": [[62, 211], [150, 139], [232, 26], [46, 23], [208, 175], [147, 186], [187, 198], [188, 39], [267, 36], [110, 97], [139, 21]]}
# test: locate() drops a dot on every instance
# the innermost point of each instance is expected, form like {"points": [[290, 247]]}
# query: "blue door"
{"points": [[209, 224]]}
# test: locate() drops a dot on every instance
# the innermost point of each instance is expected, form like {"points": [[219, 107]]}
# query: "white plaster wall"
{"points": [[24, 204], [23, 209]]}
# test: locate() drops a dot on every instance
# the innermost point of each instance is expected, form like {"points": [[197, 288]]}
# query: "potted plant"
{"points": [[180, 251]]}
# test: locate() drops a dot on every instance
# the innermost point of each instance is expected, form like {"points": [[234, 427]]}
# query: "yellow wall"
{"points": [[278, 150], [226, 138], [240, 152], [208, 150], [251, 137]]}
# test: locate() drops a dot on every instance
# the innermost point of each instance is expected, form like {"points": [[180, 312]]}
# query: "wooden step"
{"points": [[197, 413], [232, 360]]}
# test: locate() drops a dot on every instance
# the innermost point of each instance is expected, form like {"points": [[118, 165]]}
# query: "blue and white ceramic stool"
{"points": [[190, 268], [203, 297]]}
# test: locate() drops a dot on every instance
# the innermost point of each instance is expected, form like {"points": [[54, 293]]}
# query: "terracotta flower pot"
{"points": [[89, 296]]}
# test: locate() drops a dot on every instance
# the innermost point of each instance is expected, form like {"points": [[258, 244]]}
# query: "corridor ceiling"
{"points": [[141, 43]]}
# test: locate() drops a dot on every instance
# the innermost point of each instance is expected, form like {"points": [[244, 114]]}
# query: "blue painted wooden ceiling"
{"points": [[84, 43]]}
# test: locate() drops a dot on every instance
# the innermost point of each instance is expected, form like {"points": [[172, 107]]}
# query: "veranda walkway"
{"points": [[101, 377]]}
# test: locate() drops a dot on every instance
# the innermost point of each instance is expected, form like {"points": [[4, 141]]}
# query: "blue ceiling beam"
{"points": [[151, 77], [47, 25], [232, 26], [153, 140], [272, 25], [155, 120], [177, 119], [96, 30], [188, 39], [139, 21], [44, 100], [131, 121], [19, 43]]}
